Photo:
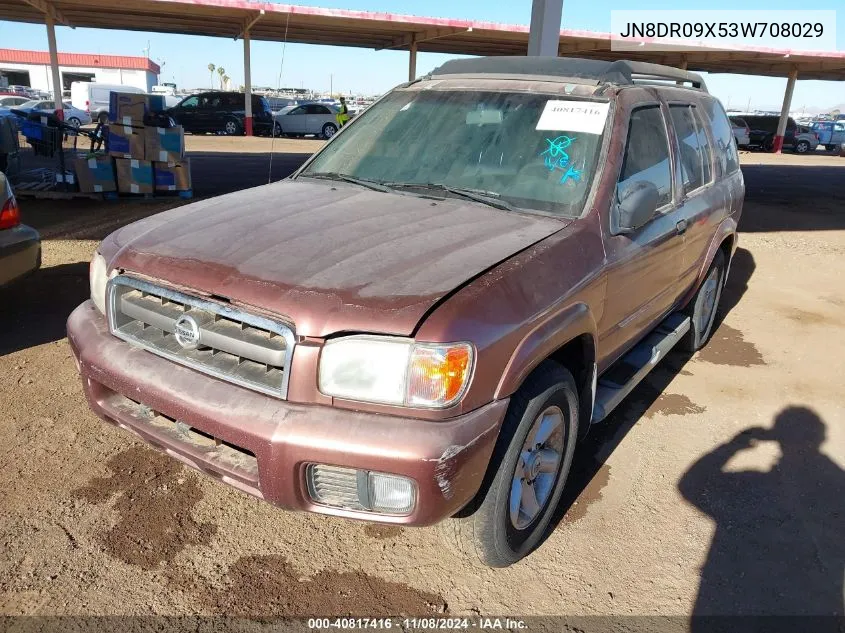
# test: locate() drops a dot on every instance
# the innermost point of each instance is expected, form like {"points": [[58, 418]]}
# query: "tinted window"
{"points": [[723, 138], [691, 154], [299, 110], [316, 109], [647, 153], [190, 102], [705, 145]]}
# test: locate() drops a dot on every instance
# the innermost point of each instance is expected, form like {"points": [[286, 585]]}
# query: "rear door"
{"points": [[295, 121], [643, 266], [316, 116]]}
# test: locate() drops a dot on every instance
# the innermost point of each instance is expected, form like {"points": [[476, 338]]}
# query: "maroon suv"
{"points": [[424, 319]]}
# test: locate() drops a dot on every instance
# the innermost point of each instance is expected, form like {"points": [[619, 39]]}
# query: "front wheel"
{"points": [[329, 130], [830, 148], [802, 147], [529, 468], [704, 305], [74, 122], [277, 129]]}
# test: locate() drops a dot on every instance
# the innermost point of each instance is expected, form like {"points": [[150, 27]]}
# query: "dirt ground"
{"points": [[717, 486]]}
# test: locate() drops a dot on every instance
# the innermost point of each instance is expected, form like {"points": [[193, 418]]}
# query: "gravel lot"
{"points": [[717, 486]]}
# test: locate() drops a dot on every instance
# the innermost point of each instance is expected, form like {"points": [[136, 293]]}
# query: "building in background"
{"points": [[32, 68]]}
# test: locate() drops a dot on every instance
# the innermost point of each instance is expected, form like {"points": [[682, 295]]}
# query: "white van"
{"points": [[94, 97]]}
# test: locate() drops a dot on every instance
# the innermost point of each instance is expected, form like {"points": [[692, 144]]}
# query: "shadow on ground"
{"points": [[34, 311], [793, 198]]}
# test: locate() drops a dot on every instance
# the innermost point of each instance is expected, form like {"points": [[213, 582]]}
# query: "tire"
{"points": [[494, 535], [231, 127], [768, 144], [329, 130], [704, 305], [277, 129], [802, 147], [830, 148], [74, 122]]}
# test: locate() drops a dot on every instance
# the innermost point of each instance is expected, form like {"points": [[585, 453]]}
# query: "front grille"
{"points": [[214, 338]]}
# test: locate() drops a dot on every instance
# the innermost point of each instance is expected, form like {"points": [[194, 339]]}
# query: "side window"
{"points": [[299, 110], [312, 109], [190, 102], [723, 138], [690, 154], [705, 146], [647, 153]]}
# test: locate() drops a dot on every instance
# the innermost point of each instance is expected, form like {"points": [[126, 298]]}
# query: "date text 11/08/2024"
{"points": [[432, 623]]}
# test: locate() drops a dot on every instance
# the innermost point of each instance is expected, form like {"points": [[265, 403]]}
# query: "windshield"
{"points": [[531, 151]]}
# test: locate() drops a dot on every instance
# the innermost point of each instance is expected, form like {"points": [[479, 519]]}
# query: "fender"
{"points": [[727, 228], [549, 335]]}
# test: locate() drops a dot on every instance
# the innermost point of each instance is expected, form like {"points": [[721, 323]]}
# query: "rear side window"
{"points": [[725, 145], [647, 153], [694, 154]]}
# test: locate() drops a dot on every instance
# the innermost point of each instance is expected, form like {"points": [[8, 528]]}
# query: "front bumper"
{"points": [[262, 445]]}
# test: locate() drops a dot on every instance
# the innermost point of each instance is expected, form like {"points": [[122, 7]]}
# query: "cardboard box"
{"points": [[128, 108], [172, 176], [164, 144], [134, 176], [95, 175], [124, 141]]}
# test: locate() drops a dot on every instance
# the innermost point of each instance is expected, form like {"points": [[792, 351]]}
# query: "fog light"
{"points": [[390, 493], [361, 490]]}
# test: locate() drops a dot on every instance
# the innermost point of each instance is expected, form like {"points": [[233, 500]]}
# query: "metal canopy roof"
{"points": [[311, 25]]}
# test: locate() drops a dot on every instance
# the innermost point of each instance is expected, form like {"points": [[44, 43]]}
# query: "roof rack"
{"points": [[592, 71]]}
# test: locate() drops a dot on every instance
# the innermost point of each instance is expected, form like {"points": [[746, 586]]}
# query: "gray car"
{"points": [[20, 245], [319, 119]]}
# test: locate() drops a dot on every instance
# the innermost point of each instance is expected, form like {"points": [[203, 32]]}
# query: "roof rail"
{"points": [[592, 71]]}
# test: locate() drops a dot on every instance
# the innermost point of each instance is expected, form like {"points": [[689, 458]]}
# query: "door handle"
{"points": [[681, 227]]}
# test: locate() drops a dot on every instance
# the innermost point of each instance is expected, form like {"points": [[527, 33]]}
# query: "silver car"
{"points": [[319, 119]]}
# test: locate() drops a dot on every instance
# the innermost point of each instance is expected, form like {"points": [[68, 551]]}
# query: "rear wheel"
{"points": [[231, 127], [329, 130], [802, 147], [529, 469], [830, 148], [704, 305]]}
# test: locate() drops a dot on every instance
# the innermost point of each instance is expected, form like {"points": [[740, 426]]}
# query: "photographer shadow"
{"points": [[778, 548]]}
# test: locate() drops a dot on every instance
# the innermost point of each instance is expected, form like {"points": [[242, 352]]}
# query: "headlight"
{"points": [[98, 276], [395, 370]]}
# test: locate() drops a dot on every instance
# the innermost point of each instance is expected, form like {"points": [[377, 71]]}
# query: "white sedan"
{"points": [[310, 118], [73, 116]]}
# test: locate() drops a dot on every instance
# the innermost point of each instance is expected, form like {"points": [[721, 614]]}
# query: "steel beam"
{"points": [[48, 9], [248, 24], [544, 37], [784, 112]]}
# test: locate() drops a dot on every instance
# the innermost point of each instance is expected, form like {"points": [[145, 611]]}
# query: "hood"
{"points": [[329, 257]]}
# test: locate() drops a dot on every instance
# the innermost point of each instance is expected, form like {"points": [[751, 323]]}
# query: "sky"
{"points": [[185, 59]]}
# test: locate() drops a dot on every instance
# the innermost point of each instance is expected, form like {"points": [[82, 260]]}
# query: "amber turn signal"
{"points": [[438, 373]]}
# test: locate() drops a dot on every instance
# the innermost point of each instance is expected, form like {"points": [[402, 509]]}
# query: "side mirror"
{"points": [[637, 204]]}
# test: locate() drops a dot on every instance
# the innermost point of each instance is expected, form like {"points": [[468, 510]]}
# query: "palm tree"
{"points": [[226, 81], [211, 71], [221, 71]]}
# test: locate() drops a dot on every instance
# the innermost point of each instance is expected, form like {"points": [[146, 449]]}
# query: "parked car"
{"points": [[423, 320], [831, 134], [24, 91], [764, 127], [741, 131], [93, 97], [222, 112], [73, 116], [310, 118], [20, 245], [277, 103], [12, 101]]}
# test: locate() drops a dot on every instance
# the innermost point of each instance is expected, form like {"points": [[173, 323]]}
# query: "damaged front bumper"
{"points": [[263, 445]]}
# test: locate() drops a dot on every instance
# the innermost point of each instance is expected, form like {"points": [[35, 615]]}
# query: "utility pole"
{"points": [[331, 84]]}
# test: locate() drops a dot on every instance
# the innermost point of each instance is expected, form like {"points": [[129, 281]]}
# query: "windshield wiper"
{"points": [[332, 175], [490, 198]]}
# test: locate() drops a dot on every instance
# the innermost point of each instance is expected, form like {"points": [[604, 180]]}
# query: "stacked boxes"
{"points": [[142, 159]]}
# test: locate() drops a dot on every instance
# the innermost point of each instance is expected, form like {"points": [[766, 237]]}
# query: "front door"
{"points": [[643, 265], [185, 113]]}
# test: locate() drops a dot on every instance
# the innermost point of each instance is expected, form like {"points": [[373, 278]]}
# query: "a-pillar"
{"points": [[777, 146]]}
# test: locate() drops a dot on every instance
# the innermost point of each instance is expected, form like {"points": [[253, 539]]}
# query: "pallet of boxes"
{"points": [[143, 157]]}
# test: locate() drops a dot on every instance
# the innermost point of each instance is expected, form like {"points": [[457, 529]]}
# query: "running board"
{"points": [[621, 378]]}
